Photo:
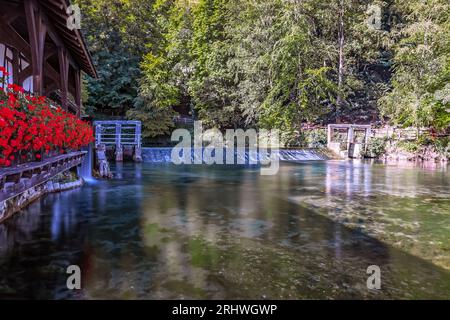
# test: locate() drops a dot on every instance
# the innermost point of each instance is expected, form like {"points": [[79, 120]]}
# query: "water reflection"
{"points": [[63, 219], [162, 231]]}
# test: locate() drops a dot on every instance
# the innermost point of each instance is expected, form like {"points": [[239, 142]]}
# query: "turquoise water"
{"points": [[201, 232]]}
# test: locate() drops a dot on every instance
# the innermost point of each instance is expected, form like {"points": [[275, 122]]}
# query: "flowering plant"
{"points": [[31, 127]]}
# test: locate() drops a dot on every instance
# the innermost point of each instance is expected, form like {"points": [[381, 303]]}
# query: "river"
{"points": [[213, 232]]}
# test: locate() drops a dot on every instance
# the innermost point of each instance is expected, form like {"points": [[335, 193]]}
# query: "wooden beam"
{"points": [[50, 51], [37, 31], [16, 65], [25, 73], [10, 12], [62, 28], [64, 75], [86, 54], [54, 35], [50, 88], [57, 4], [59, 12], [10, 37], [77, 76], [55, 22]]}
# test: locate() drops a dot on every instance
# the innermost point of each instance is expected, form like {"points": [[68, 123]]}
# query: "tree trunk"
{"points": [[341, 40]]}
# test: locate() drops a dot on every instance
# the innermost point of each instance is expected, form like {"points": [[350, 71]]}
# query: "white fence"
{"points": [[118, 133]]}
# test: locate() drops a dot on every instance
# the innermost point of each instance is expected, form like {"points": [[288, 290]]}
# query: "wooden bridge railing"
{"points": [[18, 179], [120, 134]]}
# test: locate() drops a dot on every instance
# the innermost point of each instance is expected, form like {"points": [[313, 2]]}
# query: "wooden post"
{"points": [[138, 134], [16, 65], [3, 63], [118, 133], [64, 76], [350, 142], [119, 150], [98, 135], [329, 135], [137, 141], [77, 97], [37, 31], [367, 138]]}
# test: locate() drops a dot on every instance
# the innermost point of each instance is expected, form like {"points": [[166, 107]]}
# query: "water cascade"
{"points": [[85, 170], [164, 155]]}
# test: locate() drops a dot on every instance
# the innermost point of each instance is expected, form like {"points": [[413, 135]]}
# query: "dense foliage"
{"points": [[376, 148], [30, 127], [270, 63], [118, 33], [420, 93]]}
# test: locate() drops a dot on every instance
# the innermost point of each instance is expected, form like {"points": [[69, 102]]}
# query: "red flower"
{"points": [[29, 124], [14, 87], [3, 70]]}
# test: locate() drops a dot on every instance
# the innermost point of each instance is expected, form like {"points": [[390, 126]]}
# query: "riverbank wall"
{"points": [[60, 183]]}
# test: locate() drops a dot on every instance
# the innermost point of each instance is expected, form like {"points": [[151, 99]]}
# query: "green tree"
{"points": [[212, 86], [117, 33], [420, 85], [270, 63], [166, 70]]}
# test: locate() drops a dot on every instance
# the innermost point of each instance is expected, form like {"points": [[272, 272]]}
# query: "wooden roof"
{"points": [[73, 40]]}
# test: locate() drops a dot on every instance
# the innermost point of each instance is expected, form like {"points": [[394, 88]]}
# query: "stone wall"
{"points": [[11, 206]]}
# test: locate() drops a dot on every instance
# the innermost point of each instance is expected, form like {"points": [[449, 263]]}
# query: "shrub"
{"points": [[442, 146], [375, 148], [425, 140], [316, 138], [409, 146]]}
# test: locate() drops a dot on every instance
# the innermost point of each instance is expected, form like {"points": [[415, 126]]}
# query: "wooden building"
{"points": [[42, 52]]}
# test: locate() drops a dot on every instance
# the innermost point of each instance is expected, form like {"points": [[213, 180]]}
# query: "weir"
{"points": [[164, 155], [348, 140], [119, 135], [85, 170]]}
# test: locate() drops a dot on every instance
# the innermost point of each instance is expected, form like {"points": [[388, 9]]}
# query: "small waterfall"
{"points": [[301, 155], [85, 170], [157, 155], [163, 155]]}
